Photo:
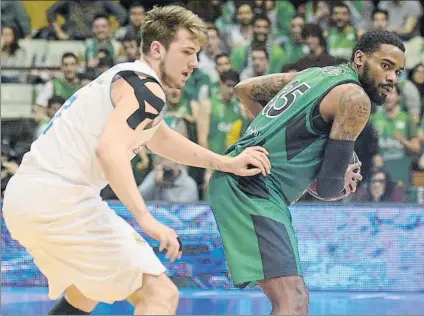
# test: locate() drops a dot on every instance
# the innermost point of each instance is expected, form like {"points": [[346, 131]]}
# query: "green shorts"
{"points": [[258, 236]]}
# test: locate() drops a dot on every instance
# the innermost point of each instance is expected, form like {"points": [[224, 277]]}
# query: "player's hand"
{"points": [[352, 177], [251, 161], [165, 235]]}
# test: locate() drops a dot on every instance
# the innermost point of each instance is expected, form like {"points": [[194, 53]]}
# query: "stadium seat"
{"points": [[55, 50], [17, 101], [36, 50]]}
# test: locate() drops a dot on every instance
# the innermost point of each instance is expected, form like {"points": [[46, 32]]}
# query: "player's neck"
{"points": [[155, 65]]}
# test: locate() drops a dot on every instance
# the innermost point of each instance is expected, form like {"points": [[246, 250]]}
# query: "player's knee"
{"points": [[156, 290], [171, 294]]}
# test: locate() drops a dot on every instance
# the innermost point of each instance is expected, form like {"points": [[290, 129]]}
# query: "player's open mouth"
{"points": [[185, 74], [387, 89]]}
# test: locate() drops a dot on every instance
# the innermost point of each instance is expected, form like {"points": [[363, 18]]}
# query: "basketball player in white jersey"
{"points": [[52, 206]]}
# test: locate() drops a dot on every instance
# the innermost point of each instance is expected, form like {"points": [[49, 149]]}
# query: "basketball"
{"points": [[312, 190]]}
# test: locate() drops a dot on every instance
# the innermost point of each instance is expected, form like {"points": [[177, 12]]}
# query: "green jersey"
{"points": [[341, 43], [294, 134], [64, 89], [223, 119], [396, 158]]}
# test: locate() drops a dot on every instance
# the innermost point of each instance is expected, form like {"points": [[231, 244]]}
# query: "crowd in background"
{"points": [[246, 39]]}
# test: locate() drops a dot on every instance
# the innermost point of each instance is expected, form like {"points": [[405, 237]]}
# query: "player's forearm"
{"points": [[117, 170], [255, 93], [173, 146]]}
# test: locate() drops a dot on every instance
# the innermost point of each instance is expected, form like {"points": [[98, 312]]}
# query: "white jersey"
{"points": [[67, 146]]}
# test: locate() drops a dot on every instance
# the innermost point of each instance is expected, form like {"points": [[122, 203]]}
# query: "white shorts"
{"points": [[76, 239]]}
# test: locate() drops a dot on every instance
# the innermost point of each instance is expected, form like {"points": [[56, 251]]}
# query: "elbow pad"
{"points": [[337, 157]]}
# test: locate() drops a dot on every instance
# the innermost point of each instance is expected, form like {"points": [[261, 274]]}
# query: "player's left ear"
{"points": [[156, 50], [359, 58]]}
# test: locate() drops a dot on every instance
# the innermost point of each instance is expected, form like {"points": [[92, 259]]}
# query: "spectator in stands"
{"points": [[416, 76], [260, 63], [397, 138], [317, 12], [366, 147], [84, 79], [197, 86], [221, 121], [101, 40], [318, 55], [403, 17], [222, 63], [169, 182], [421, 138], [217, 116], [12, 55], [411, 100], [207, 56], [360, 13], [380, 189], [54, 104], [293, 47], [242, 55], [13, 14], [65, 86], [380, 19], [242, 32], [313, 37], [284, 11], [78, 16], [179, 114], [130, 48], [341, 37], [136, 13]]}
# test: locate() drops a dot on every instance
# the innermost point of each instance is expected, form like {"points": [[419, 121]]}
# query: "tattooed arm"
{"points": [[255, 93], [349, 108], [351, 114]]}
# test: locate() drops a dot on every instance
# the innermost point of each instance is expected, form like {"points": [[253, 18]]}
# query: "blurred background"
{"points": [[375, 238]]}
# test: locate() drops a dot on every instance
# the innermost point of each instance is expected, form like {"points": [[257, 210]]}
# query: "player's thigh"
{"points": [[78, 300], [155, 288], [258, 236]]}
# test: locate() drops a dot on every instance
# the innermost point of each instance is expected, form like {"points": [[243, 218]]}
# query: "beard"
{"points": [[371, 87]]}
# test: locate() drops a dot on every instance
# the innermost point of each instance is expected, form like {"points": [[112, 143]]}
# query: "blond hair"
{"points": [[161, 24]]}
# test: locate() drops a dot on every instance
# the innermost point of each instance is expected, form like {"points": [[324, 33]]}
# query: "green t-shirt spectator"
{"points": [[240, 58], [396, 158], [222, 118], [341, 43]]}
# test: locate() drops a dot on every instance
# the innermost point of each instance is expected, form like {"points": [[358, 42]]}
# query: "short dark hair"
{"points": [[100, 16], [338, 4], [260, 47], [221, 55], [298, 15], [136, 5], [230, 75], [371, 41], [376, 11], [214, 28], [131, 36], [314, 30], [261, 17], [69, 54], [55, 99]]}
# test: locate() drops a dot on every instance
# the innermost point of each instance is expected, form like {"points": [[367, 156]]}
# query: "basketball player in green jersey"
{"points": [[308, 122]]}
